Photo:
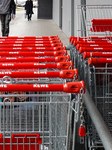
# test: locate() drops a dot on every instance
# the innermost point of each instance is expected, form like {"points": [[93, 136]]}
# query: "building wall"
{"points": [[98, 2], [76, 3], [56, 11], [69, 17], [66, 19]]}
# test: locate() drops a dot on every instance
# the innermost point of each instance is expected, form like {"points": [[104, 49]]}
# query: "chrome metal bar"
{"points": [[98, 121]]}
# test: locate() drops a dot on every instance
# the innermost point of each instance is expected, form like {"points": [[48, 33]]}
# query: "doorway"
{"points": [[44, 9]]}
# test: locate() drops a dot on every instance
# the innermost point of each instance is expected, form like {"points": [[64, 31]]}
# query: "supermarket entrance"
{"points": [[44, 9]]}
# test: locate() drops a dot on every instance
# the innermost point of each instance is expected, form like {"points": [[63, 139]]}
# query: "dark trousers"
{"points": [[29, 16], [5, 20]]}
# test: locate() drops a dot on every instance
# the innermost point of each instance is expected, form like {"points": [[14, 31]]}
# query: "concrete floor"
{"points": [[36, 27]]}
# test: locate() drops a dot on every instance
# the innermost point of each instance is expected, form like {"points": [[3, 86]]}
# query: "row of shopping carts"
{"points": [[91, 53], [40, 95]]}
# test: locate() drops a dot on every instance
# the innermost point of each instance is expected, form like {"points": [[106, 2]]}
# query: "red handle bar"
{"points": [[103, 54], [91, 42], [29, 42], [65, 74], [70, 87], [72, 38], [60, 65], [94, 46], [101, 25], [93, 61], [30, 45], [36, 59], [32, 54], [95, 49], [36, 49]]}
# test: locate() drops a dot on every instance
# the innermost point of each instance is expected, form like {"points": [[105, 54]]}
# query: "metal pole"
{"points": [[98, 121]]}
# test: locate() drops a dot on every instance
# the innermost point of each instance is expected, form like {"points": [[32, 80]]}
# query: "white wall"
{"points": [[76, 3], [66, 13], [66, 19], [56, 11], [98, 2]]}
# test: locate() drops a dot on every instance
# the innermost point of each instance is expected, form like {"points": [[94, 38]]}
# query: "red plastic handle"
{"points": [[30, 45], [1, 136], [93, 61], [94, 46], [30, 49], [62, 58], [95, 49], [71, 38], [103, 54], [65, 65], [59, 53], [29, 42], [65, 74], [86, 55], [32, 54], [69, 74], [70, 87], [36, 59], [21, 39], [60, 65], [101, 25], [91, 42]]}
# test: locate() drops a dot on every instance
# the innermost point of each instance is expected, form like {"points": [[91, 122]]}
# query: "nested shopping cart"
{"points": [[43, 120], [94, 40], [57, 77]]}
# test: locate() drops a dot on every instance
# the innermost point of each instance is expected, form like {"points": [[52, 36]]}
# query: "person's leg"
{"points": [[28, 16], [7, 21], [2, 24]]}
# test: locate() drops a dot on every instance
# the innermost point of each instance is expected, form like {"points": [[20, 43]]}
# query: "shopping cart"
{"points": [[42, 121], [94, 40], [57, 77]]}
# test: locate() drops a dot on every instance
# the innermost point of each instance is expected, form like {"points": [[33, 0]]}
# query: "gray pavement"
{"points": [[36, 27]]}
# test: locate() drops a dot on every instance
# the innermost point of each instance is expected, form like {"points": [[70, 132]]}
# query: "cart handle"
{"points": [[95, 49], [60, 53], [33, 54], [64, 74], [92, 61], [30, 45], [101, 25], [60, 65], [87, 55], [36, 59], [70, 87], [30, 49], [90, 54], [91, 38], [91, 42], [69, 74], [29, 42]]}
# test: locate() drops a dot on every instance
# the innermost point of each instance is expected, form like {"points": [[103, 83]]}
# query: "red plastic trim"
{"points": [[70, 87]]}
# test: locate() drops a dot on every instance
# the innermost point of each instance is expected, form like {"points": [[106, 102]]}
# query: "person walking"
{"points": [[29, 9], [6, 8]]}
